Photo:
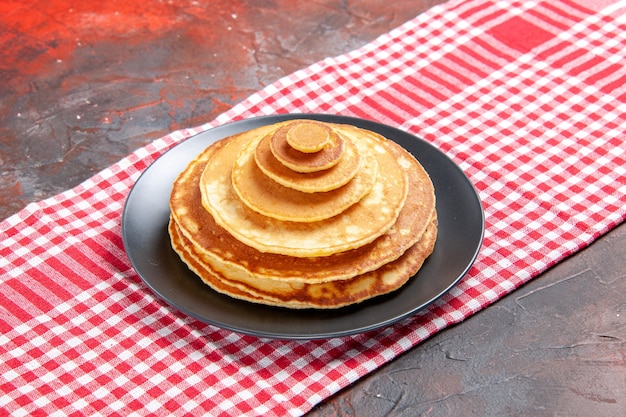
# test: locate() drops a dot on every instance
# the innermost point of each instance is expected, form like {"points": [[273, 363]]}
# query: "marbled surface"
{"points": [[83, 83]]}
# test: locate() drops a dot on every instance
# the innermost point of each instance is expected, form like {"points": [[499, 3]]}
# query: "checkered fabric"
{"points": [[528, 98]]}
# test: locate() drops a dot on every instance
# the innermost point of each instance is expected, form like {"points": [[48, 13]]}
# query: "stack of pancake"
{"points": [[304, 214]]}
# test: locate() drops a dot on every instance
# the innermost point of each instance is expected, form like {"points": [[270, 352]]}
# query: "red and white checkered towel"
{"points": [[529, 98]]}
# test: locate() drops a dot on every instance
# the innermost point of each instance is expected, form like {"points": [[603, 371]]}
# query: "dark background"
{"points": [[84, 83]]}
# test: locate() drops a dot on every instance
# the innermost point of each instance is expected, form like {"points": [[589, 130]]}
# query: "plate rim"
{"points": [[214, 134]]}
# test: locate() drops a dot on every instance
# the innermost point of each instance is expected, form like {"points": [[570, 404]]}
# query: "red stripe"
{"points": [[561, 12], [441, 83], [572, 56], [70, 271], [493, 50], [472, 52], [45, 274], [91, 268], [465, 64], [70, 286], [30, 298], [358, 111], [368, 109], [419, 84], [113, 253], [406, 106], [595, 60], [413, 94], [544, 18], [386, 111], [474, 10], [607, 72], [13, 310], [622, 97], [454, 87], [573, 5], [489, 18]]}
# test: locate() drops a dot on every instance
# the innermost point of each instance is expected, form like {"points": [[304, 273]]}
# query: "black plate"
{"points": [[144, 230]]}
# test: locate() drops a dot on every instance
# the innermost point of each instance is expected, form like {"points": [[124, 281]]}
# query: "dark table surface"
{"points": [[84, 83]]}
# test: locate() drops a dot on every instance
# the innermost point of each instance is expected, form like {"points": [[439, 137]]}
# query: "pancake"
{"points": [[233, 258], [312, 182], [358, 225], [308, 136], [227, 219], [264, 195], [300, 155], [327, 295], [185, 252]]}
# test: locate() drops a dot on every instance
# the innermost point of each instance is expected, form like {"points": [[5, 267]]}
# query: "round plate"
{"points": [[144, 230]]}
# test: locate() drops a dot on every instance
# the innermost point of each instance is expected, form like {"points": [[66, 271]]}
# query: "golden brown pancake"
{"points": [[232, 257], [326, 295], [312, 182], [264, 195], [358, 225], [185, 250], [370, 248], [297, 158]]}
